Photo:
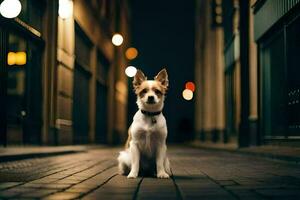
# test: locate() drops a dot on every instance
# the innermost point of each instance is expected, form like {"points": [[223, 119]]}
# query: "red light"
{"points": [[190, 85]]}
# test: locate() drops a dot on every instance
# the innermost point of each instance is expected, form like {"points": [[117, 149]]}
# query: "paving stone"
{"points": [[280, 193], [246, 194], [67, 181], [45, 180], [117, 187], [157, 188], [62, 195], [8, 194], [47, 185], [6, 185], [81, 190], [39, 193], [226, 182]]}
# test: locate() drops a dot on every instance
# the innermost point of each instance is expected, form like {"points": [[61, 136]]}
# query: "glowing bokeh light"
{"points": [[130, 71], [117, 39], [16, 58], [10, 8], [11, 58], [131, 53], [20, 58], [187, 94], [65, 9], [190, 85]]}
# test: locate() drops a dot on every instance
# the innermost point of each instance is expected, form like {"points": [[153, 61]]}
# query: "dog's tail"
{"points": [[124, 160]]}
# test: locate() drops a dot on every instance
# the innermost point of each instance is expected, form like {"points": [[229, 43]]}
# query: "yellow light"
{"points": [[11, 58], [10, 8], [130, 71], [20, 58], [65, 9], [219, 19], [131, 53], [218, 10], [16, 58], [218, 2], [117, 39], [187, 94]]}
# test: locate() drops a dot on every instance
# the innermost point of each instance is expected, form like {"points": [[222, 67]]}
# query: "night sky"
{"points": [[163, 33]]}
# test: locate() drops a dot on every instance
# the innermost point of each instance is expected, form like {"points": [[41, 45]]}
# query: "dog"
{"points": [[146, 149]]}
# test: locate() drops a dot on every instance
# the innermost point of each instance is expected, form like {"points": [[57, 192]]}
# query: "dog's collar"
{"points": [[150, 113]]}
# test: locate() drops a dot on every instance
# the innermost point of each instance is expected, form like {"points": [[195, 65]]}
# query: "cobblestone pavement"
{"points": [[197, 174]]}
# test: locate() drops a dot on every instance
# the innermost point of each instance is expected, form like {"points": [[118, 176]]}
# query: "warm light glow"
{"points": [[187, 94], [18, 58], [219, 19], [117, 39], [65, 9], [190, 85], [218, 10], [131, 53], [11, 58], [130, 71], [10, 8]]}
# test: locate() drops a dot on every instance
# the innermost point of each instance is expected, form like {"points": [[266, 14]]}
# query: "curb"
{"points": [[15, 157]]}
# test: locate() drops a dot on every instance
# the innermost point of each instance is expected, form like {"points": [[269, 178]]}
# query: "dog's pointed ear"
{"points": [[138, 79], [162, 77]]}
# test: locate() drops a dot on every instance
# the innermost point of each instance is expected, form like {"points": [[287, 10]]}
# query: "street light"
{"points": [[187, 94], [131, 53], [130, 71], [10, 8], [65, 9], [190, 85], [117, 39]]}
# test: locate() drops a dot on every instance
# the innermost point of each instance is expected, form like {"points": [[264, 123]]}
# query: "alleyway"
{"points": [[198, 174]]}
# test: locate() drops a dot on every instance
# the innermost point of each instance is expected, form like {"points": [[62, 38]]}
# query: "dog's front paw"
{"points": [[162, 175], [132, 175]]}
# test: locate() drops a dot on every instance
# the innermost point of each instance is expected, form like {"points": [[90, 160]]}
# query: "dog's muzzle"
{"points": [[151, 100]]}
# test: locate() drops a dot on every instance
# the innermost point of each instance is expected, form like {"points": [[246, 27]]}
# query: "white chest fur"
{"points": [[147, 134]]}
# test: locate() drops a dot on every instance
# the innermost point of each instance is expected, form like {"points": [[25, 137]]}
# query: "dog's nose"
{"points": [[150, 98]]}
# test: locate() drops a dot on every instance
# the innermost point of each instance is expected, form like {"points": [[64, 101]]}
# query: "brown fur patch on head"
{"points": [[156, 87], [142, 89], [159, 89]]}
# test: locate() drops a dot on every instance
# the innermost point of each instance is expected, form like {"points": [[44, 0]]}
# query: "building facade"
{"points": [[71, 88], [246, 65]]}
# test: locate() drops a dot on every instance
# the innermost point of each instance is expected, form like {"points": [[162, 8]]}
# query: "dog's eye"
{"points": [[157, 91], [144, 91]]}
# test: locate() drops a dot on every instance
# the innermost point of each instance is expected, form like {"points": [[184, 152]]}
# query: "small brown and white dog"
{"points": [[145, 149]]}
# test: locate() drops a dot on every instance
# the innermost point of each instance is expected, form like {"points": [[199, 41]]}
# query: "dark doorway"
{"points": [[293, 49], [273, 86], [82, 75], [230, 105], [280, 81], [81, 105], [101, 113], [101, 97], [23, 91]]}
